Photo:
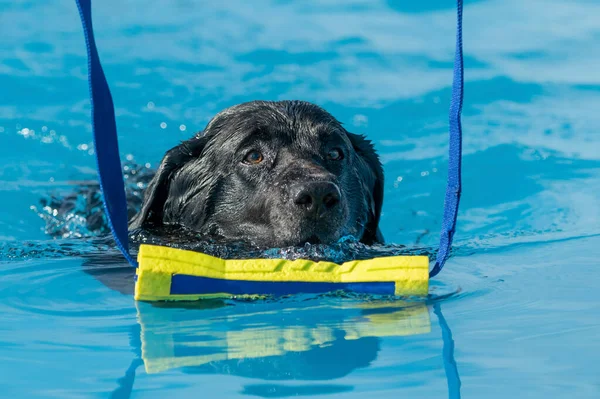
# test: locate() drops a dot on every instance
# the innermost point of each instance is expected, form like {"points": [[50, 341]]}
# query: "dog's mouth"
{"points": [[314, 239], [323, 236]]}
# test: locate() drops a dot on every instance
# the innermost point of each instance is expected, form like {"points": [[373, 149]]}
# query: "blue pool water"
{"points": [[515, 312]]}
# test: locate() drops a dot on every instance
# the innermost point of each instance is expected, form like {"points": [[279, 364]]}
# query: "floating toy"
{"points": [[165, 273], [171, 274]]}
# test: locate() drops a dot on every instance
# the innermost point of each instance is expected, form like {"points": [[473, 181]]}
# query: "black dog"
{"points": [[272, 174]]}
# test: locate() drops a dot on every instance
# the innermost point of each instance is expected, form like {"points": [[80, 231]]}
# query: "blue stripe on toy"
{"points": [[184, 284]]}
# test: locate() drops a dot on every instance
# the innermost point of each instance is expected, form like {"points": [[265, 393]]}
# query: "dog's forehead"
{"points": [[302, 131], [297, 124], [304, 136]]}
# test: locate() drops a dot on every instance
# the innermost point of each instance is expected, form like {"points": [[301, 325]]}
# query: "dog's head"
{"points": [[273, 174]]}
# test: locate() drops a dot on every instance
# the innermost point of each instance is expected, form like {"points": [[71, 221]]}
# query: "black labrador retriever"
{"points": [[270, 174], [273, 174]]}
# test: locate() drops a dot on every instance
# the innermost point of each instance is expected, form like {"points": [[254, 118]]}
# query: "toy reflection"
{"points": [[302, 340], [318, 342]]}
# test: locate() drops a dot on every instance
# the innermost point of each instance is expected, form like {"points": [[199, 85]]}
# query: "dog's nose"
{"points": [[316, 197]]}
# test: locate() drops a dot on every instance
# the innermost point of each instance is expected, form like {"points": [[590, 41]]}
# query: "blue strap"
{"points": [[455, 149], [106, 145]]}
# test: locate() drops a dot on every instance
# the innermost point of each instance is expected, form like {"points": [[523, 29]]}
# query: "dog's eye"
{"points": [[335, 154], [253, 158]]}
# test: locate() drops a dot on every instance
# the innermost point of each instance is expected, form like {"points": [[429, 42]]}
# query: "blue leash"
{"points": [[109, 164], [106, 145], [453, 187]]}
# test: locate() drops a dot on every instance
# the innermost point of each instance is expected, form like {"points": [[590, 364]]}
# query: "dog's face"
{"points": [[272, 174]]}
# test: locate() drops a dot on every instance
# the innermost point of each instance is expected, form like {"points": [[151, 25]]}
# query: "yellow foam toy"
{"points": [[166, 273], [172, 338]]}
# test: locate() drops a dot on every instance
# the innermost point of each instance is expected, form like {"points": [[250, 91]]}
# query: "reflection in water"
{"points": [[317, 342], [303, 341], [452, 376], [126, 382]]}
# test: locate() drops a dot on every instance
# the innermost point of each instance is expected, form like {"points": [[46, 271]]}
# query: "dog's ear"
{"points": [[374, 179], [157, 192]]}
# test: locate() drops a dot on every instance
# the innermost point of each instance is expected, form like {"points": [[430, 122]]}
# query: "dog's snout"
{"points": [[316, 198]]}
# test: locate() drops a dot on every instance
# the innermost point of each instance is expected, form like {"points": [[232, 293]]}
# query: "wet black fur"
{"points": [[203, 185]]}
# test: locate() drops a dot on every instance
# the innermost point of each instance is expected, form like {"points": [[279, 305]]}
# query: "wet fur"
{"points": [[202, 185]]}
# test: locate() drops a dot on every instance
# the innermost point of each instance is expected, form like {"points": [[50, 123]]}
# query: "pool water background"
{"points": [[519, 296]]}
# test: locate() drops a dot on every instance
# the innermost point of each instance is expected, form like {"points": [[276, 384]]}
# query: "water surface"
{"points": [[517, 304]]}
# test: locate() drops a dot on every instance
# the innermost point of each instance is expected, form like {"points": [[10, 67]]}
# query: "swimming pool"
{"points": [[517, 302]]}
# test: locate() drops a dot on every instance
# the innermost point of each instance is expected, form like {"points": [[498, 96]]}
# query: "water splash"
{"points": [[80, 213], [339, 252]]}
